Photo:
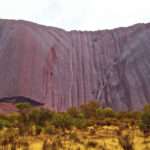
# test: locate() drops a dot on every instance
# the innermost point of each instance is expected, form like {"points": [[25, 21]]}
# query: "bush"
{"points": [[62, 120], [4, 123], [80, 123], [49, 129], [89, 109], [100, 113], [23, 106], [147, 108], [24, 109], [145, 122], [108, 112], [73, 111], [40, 116], [104, 113]]}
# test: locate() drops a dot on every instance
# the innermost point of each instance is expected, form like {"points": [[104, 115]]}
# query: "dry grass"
{"points": [[105, 138]]}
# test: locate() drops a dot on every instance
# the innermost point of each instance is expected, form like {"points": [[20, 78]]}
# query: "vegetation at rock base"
{"points": [[88, 127]]}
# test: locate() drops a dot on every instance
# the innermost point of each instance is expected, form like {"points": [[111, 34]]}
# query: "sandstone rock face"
{"points": [[63, 69]]}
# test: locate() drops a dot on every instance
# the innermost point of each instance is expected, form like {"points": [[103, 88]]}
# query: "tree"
{"points": [[23, 106], [23, 124], [40, 116], [24, 109]]}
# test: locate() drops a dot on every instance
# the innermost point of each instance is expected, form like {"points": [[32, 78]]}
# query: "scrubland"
{"points": [[89, 127]]}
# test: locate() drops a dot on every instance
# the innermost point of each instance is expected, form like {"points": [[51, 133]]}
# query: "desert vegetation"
{"points": [[89, 127]]}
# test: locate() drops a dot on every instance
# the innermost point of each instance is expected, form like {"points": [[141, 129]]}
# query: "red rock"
{"points": [[63, 69], [7, 108]]}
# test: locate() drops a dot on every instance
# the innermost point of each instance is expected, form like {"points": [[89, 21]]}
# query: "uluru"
{"points": [[68, 68]]}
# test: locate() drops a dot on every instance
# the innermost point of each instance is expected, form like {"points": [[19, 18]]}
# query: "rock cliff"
{"points": [[63, 69]]}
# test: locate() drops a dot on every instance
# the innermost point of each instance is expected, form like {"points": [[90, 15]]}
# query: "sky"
{"points": [[78, 14]]}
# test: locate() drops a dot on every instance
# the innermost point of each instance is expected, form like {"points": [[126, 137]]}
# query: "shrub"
{"points": [[145, 119], [108, 112], [23, 106], [99, 113], [73, 111], [104, 113], [145, 122], [40, 116], [49, 129], [4, 123], [80, 123], [89, 109], [14, 119], [147, 108], [62, 120], [24, 109]]}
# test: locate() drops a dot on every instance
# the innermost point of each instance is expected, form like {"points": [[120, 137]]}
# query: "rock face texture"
{"points": [[63, 69]]}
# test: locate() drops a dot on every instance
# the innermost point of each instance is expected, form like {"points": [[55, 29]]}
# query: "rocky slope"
{"points": [[63, 69]]}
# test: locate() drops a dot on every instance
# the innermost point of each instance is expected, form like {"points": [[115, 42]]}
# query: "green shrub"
{"points": [[108, 112], [89, 109], [105, 113], [145, 122], [40, 116], [100, 113], [4, 123], [73, 111], [62, 120], [80, 123], [49, 129]]}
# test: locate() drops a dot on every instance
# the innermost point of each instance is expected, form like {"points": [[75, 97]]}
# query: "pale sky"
{"points": [[78, 14]]}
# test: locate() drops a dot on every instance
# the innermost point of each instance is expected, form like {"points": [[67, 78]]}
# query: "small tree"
{"points": [[23, 124], [24, 109], [40, 116]]}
